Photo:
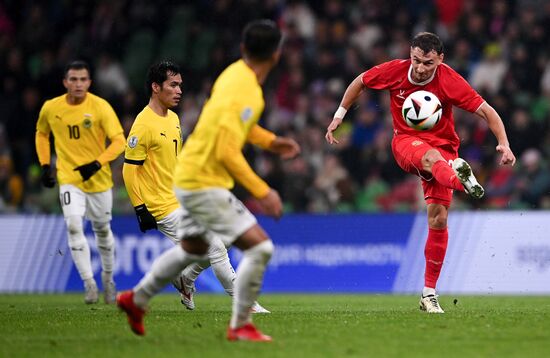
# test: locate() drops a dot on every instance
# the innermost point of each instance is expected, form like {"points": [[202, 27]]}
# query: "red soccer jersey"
{"points": [[446, 84]]}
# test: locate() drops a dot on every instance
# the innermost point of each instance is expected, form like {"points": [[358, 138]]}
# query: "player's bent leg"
{"points": [[186, 288], [80, 252], [165, 269], [106, 246], [466, 176]]}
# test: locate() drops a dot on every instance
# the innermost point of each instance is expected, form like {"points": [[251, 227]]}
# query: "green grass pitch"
{"points": [[301, 325]]}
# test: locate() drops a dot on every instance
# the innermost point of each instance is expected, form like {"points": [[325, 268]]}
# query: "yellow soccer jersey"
{"points": [[234, 107], [80, 133], [154, 144]]}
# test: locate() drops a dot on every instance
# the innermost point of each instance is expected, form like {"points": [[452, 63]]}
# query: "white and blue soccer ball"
{"points": [[422, 110]]}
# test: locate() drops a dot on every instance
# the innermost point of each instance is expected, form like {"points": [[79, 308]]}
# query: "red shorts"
{"points": [[408, 152]]}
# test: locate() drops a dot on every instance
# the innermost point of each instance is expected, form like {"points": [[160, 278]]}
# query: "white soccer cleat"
{"points": [[257, 308], [91, 294], [430, 304], [466, 176], [186, 289], [109, 288]]}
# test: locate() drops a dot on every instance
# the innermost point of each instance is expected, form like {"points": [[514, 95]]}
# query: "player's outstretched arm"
{"points": [[286, 147], [496, 126], [350, 96]]}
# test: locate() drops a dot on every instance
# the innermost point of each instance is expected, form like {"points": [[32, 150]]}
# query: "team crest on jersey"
{"points": [[246, 114], [132, 141], [87, 123]]}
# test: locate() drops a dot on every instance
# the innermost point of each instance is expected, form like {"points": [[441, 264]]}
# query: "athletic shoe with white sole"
{"points": [[91, 293], [109, 288], [466, 176], [257, 308], [430, 304], [186, 289]]}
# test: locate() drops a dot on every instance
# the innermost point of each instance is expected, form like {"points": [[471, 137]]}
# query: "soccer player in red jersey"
{"points": [[433, 154]]}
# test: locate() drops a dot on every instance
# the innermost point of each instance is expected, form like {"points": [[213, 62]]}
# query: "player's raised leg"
{"points": [[466, 176]]}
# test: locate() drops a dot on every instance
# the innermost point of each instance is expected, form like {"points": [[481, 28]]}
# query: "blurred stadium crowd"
{"points": [[501, 47]]}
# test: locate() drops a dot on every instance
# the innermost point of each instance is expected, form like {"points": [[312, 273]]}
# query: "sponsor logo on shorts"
{"points": [[416, 143]]}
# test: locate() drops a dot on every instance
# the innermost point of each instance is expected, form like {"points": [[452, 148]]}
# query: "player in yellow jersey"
{"points": [[150, 157], [80, 122], [211, 160]]}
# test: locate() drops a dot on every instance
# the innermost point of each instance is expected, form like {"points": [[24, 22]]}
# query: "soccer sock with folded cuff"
{"points": [[434, 252], [445, 175], [249, 279], [165, 268]]}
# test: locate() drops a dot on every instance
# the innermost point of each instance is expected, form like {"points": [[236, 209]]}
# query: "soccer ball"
{"points": [[422, 110]]}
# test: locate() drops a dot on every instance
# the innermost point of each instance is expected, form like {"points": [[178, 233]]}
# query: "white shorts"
{"points": [[215, 210], [94, 206], [169, 224]]}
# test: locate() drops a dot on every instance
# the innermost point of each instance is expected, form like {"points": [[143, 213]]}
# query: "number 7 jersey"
{"points": [[80, 133], [153, 144]]}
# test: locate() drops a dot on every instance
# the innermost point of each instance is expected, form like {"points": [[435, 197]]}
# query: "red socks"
{"points": [[435, 249], [445, 175]]}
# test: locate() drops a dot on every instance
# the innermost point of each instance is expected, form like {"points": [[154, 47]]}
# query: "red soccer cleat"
{"points": [[248, 332], [125, 301]]}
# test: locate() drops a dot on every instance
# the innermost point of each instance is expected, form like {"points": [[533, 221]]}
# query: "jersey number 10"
{"points": [[74, 132]]}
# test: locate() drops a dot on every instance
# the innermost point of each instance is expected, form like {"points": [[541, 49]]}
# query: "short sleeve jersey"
{"points": [[154, 143], [446, 84], [80, 133], [236, 102]]}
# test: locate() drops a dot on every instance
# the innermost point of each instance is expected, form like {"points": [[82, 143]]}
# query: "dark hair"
{"points": [[158, 73], [76, 65], [261, 38], [428, 42]]}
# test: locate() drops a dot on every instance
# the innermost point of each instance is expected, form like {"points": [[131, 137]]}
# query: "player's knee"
{"points": [[216, 250], [74, 225], [438, 221], [101, 229], [430, 157], [76, 239], [262, 251], [105, 240]]}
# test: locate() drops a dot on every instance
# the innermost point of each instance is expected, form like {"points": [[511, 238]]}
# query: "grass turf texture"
{"points": [[301, 325]]}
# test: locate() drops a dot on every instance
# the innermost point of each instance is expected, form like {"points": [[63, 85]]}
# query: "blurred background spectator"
{"points": [[500, 46]]}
